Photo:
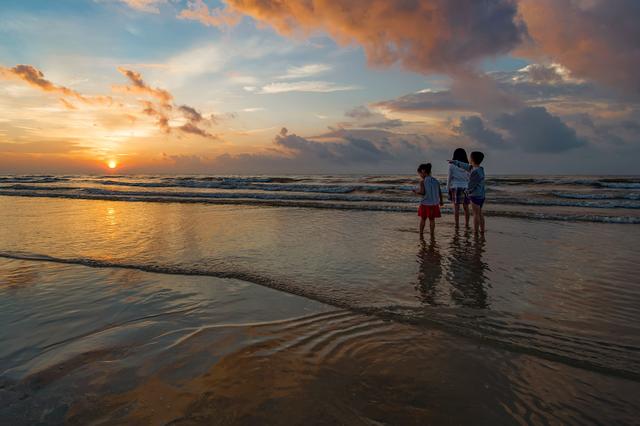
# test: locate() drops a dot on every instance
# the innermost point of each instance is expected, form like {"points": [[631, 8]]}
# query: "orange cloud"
{"points": [[35, 78], [193, 129], [163, 119], [424, 36], [150, 6], [139, 86], [199, 11], [595, 39], [160, 108]]}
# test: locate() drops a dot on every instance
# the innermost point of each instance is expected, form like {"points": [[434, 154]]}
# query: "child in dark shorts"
{"points": [[476, 188], [457, 184]]}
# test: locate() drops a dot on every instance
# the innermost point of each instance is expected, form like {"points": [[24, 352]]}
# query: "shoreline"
{"points": [[620, 220]]}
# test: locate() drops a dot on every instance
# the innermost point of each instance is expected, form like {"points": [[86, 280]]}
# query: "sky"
{"points": [[318, 86]]}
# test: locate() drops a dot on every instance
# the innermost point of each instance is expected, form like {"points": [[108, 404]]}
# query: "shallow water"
{"points": [[537, 322]]}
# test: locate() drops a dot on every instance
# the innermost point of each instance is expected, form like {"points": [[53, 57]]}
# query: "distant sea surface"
{"points": [[312, 300], [613, 199]]}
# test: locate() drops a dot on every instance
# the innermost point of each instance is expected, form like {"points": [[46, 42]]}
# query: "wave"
{"points": [[489, 327], [33, 179], [601, 196], [620, 185], [252, 195], [253, 185], [403, 197], [595, 203], [250, 199], [614, 183]]}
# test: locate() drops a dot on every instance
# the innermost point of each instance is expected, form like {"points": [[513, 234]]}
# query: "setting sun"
{"points": [[112, 164]]}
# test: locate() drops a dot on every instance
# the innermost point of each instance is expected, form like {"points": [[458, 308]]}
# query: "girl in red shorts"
{"points": [[429, 189]]}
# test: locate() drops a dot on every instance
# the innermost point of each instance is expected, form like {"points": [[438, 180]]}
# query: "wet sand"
{"points": [[156, 314], [235, 353]]}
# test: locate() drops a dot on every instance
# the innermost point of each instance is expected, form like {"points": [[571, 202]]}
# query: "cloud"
{"points": [[150, 6], [534, 129], [474, 128], [442, 100], [507, 91], [194, 119], [595, 39], [163, 108], [364, 118], [158, 103], [609, 132], [193, 129], [304, 71], [35, 78], [544, 74], [42, 147], [370, 151], [359, 112], [197, 10], [139, 86], [344, 147], [305, 86], [422, 35], [190, 113], [158, 111]]}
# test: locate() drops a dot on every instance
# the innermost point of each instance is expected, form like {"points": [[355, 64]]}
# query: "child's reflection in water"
{"points": [[467, 271], [430, 272], [465, 278]]}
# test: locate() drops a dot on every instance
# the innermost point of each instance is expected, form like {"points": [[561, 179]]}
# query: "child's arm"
{"points": [[440, 192], [462, 165], [449, 179], [420, 190]]}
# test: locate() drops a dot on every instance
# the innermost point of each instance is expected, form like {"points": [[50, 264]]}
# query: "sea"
{"points": [[609, 199], [307, 299]]}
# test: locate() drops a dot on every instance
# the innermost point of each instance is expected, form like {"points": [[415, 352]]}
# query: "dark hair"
{"points": [[425, 167], [460, 155], [477, 157]]}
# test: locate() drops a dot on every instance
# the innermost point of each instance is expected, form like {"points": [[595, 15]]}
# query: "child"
{"points": [[429, 208], [457, 184], [476, 188]]}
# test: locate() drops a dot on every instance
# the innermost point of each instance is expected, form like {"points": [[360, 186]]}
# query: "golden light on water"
{"points": [[112, 164]]}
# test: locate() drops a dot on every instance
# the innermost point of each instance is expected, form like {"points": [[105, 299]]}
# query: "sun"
{"points": [[112, 164]]}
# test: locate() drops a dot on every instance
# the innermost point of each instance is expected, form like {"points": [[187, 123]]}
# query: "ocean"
{"points": [[572, 198], [311, 299]]}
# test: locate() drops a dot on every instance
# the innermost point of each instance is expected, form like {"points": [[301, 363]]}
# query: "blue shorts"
{"points": [[478, 201], [458, 196]]}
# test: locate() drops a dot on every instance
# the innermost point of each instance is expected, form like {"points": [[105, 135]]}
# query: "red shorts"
{"points": [[429, 212]]}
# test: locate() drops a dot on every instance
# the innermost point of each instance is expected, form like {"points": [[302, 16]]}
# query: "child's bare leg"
{"points": [[466, 214], [481, 220], [477, 211], [423, 222], [432, 226], [456, 213]]}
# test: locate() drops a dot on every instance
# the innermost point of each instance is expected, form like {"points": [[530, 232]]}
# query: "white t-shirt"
{"points": [[458, 177]]}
